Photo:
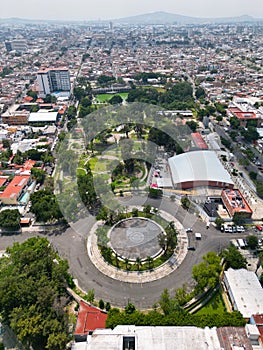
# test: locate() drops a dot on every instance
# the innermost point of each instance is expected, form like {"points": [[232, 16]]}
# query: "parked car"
{"points": [[230, 229], [188, 230], [259, 228]]}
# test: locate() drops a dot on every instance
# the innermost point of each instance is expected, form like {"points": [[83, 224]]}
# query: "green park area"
{"points": [[215, 305], [104, 98]]}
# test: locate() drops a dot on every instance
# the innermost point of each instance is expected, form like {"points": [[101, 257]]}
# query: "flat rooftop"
{"points": [[246, 290], [236, 201], [156, 338], [43, 117], [233, 337]]}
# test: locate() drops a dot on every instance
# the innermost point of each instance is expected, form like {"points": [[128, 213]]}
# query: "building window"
{"points": [[128, 343]]}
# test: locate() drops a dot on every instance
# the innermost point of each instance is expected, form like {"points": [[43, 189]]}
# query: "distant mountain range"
{"points": [[148, 18], [171, 18]]}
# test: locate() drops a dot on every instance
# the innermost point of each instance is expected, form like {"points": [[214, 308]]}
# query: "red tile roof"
{"points": [[3, 181], [242, 115], [258, 318], [15, 186], [199, 141], [28, 99], [89, 319], [28, 165]]}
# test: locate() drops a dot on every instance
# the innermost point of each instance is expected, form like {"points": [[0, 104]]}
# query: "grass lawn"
{"points": [[99, 165], [106, 97], [214, 306], [159, 89], [81, 171], [92, 162]]}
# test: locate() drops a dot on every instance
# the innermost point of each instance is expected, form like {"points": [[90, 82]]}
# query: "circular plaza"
{"points": [[136, 238]]}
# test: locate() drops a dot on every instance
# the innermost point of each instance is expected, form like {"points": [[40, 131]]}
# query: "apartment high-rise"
{"points": [[53, 79], [18, 45]]}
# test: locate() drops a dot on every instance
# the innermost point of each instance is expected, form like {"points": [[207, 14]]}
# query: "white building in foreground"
{"points": [[154, 338], [244, 291]]}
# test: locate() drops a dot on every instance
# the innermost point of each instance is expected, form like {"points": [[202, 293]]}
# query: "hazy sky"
{"points": [[109, 9]]}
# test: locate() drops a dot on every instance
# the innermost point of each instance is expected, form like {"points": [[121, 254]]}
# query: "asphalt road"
{"points": [[72, 246]]}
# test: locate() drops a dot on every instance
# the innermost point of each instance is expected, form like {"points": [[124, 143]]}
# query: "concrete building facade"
{"points": [[53, 79]]}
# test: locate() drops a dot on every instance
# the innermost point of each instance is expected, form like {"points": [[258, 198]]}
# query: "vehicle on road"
{"points": [[241, 243], [235, 243], [198, 235], [191, 248], [188, 230]]}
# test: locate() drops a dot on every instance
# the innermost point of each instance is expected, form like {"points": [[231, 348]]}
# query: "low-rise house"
{"points": [[13, 193]]}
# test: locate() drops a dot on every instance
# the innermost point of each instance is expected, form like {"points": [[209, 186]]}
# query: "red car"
{"points": [[259, 228]]}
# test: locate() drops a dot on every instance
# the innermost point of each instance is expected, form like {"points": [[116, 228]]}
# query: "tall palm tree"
{"points": [[162, 241], [117, 259], [126, 261], [149, 260], [138, 262]]}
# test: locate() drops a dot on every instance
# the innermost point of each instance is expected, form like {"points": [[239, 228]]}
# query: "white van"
{"points": [[241, 243], [234, 242]]}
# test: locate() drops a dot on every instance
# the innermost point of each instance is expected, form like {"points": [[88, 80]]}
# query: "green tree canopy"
{"points": [[45, 206], [116, 99], [252, 241], [206, 274], [234, 258], [10, 219], [250, 134], [219, 222], [38, 174], [174, 318], [33, 282], [192, 125]]}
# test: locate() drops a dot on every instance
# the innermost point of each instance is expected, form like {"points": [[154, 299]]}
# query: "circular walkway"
{"points": [[139, 276]]}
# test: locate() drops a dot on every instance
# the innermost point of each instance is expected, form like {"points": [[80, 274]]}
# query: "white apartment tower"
{"points": [[18, 45], [53, 79]]}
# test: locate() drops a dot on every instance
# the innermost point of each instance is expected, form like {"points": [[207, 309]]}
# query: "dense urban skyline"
{"points": [[103, 9]]}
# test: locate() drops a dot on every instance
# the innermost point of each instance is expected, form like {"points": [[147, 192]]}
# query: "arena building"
{"points": [[198, 169]]}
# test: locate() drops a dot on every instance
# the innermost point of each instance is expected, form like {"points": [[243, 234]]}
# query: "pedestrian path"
{"points": [[139, 276]]}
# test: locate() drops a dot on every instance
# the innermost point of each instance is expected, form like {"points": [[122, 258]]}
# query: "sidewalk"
{"points": [[139, 276]]}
